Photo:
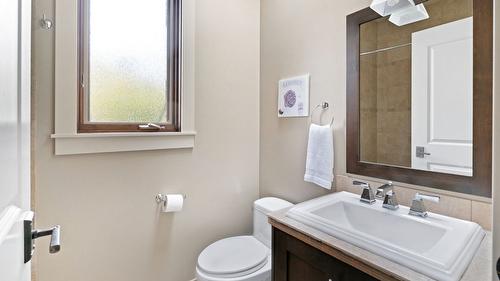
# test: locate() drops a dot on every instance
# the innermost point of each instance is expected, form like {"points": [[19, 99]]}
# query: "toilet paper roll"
{"points": [[173, 203]]}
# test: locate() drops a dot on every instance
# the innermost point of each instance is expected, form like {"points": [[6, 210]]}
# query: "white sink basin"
{"points": [[437, 246]]}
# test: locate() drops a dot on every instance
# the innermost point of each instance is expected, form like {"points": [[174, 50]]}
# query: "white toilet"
{"points": [[242, 258]]}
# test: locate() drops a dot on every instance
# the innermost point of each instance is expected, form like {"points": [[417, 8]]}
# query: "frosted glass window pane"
{"points": [[128, 61]]}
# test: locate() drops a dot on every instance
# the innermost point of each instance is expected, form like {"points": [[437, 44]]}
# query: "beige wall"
{"points": [[111, 229], [301, 36]]}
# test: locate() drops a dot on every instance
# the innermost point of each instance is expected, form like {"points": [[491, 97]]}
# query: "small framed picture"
{"points": [[293, 97]]}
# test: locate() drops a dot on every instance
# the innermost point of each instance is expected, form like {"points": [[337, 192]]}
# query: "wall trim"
{"points": [[71, 144]]}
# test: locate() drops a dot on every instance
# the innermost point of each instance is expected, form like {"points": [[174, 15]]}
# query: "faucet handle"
{"points": [[417, 206], [368, 196], [427, 197], [361, 183]]}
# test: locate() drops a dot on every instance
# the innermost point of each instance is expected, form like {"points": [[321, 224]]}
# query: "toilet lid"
{"points": [[233, 257]]}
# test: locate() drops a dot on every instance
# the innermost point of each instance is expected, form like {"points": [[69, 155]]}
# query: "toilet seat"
{"points": [[233, 257]]}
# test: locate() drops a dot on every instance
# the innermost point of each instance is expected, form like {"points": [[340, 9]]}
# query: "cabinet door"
{"points": [[300, 270], [294, 260]]}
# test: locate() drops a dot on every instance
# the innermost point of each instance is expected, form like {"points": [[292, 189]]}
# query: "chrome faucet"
{"points": [[386, 193], [391, 201], [382, 190], [367, 196], [417, 206]]}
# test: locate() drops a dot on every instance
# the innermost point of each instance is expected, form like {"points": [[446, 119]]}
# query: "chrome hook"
{"points": [[46, 23]]}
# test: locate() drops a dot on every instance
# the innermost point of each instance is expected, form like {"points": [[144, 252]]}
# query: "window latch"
{"points": [[150, 126]]}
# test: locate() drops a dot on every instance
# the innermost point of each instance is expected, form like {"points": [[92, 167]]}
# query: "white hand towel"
{"points": [[319, 165]]}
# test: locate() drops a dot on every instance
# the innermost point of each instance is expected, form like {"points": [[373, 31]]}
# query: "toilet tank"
{"points": [[262, 207]]}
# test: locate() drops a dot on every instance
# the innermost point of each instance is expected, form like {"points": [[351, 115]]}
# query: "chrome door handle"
{"points": [[420, 153], [31, 235], [55, 234]]}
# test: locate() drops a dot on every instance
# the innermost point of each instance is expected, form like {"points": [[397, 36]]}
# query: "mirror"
{"points": [[416, 90], [418, 95]]}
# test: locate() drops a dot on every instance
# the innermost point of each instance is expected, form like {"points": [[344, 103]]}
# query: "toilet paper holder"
{"points": [[162, 198]]}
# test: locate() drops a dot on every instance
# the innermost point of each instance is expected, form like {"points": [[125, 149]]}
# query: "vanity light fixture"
{"points": [[388, 7], [401, 12], [409, 15]]}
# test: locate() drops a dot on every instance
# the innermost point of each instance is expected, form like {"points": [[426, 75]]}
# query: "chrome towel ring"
{"points": [[324, 106]]}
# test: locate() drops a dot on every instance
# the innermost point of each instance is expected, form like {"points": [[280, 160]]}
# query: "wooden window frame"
{"points": [[480, 184], [174, 33]]}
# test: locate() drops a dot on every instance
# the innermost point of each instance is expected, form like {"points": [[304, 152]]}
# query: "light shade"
{"points": [[409, 15], [387, 7]]}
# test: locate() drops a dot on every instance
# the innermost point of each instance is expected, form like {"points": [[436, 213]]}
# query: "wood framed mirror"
{"points": [[419, 97]]}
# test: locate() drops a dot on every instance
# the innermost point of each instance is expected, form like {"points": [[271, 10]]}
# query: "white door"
{"points": [[442, 59], [15, 26]]}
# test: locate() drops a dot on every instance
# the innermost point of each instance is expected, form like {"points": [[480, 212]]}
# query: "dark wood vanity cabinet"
{"points": [[294, 260]]}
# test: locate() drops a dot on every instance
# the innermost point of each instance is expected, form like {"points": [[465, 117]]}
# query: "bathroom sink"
{"points": [[438, 246]]}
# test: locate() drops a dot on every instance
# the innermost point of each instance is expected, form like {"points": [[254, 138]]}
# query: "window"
{"points": [[129, 66]]}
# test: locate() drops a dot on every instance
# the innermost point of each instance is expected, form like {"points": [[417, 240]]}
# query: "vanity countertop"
{"points": [[478, 270]]}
